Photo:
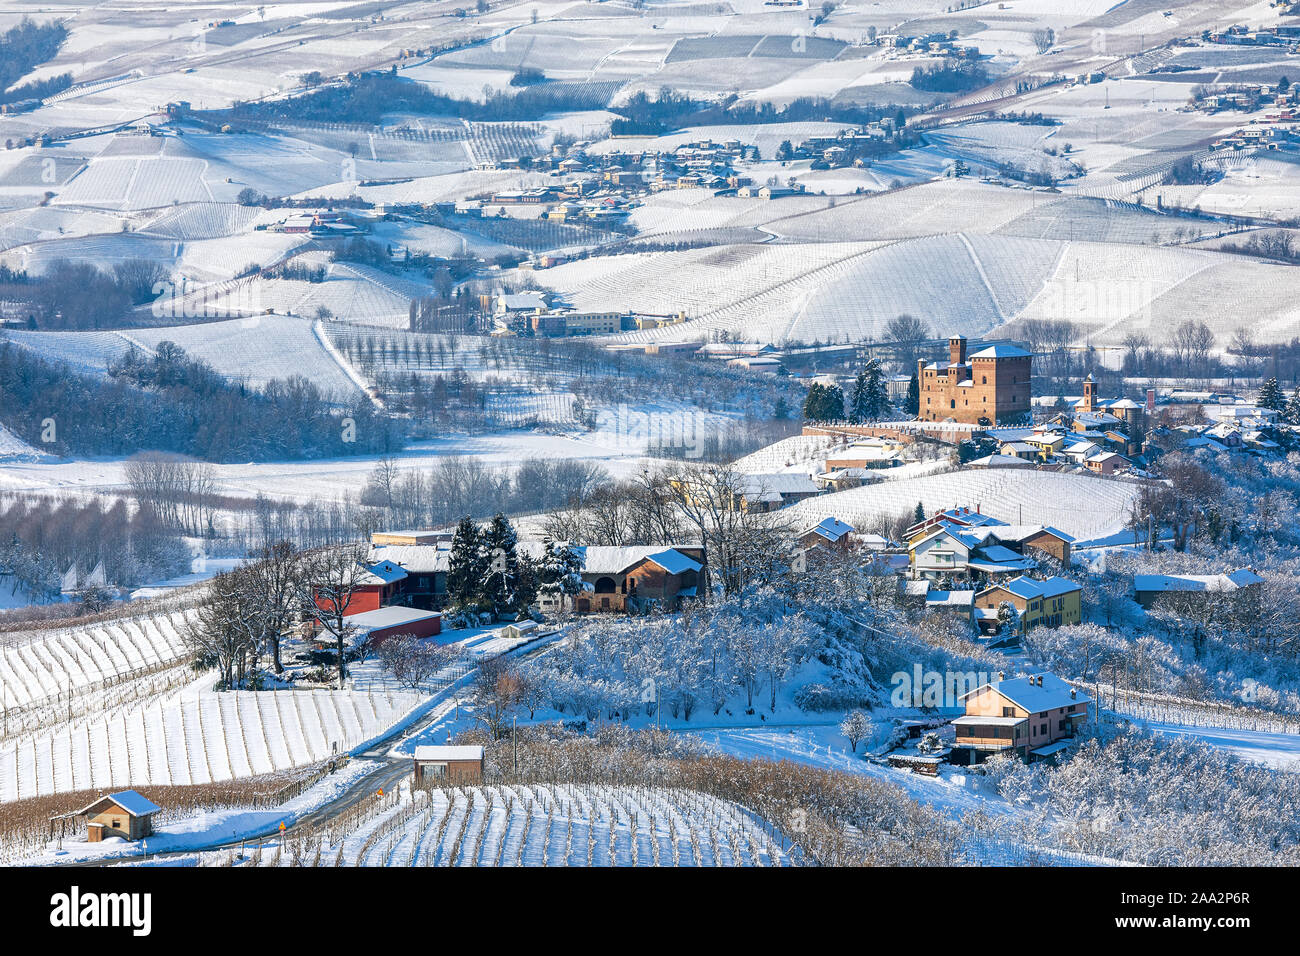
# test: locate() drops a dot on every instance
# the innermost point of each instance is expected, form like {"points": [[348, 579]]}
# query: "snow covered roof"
{"points": [[832, 529], [950, 599], [1000, 461], [1001, 351], [389, 617], [1035, 693], [778, 483], [999, 553], [414, 558], [382, 572], [1029, 588], [605, 559], [970, 720], [133, 803], [448, 752], [1231, 581]]}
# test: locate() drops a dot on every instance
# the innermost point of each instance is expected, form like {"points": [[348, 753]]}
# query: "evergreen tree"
{"points": [[525, 584], [919, 514], [559, 572], [465, 564], [500, 555], [1292, 413], [877, 394], [1270, 396], [859, 404], [825, 403], [914, 395], [832, 404]]}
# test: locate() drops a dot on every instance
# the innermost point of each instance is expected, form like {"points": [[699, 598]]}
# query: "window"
{"points": [[1008, 712], [952, 403], [984, 379], [1043, 729]]}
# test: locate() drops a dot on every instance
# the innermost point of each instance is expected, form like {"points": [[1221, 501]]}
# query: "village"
{"points": [[648, 434]]}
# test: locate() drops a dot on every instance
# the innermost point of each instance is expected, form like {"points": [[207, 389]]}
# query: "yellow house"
{"points": [[1054, 602]]}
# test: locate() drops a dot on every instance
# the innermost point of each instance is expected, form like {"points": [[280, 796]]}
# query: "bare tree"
{"points": [[908, 333], [226, 628], [413, 660], [740, 545], [275, 576], [330, 578]]}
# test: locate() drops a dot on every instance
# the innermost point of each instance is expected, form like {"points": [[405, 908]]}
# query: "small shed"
{"points": [[520, 630], [449, 766], [125, 814]]}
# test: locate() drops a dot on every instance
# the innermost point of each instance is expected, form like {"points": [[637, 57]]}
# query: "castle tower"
{"points": [[957, 350]]}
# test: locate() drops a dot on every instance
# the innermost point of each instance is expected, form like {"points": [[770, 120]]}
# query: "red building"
{"points": [[375, 586], [386, 622]]}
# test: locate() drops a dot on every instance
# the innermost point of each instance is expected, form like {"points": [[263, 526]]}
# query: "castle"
{"points": [[989, 387]]}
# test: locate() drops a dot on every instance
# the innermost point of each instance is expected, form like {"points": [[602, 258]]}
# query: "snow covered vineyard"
{"points": [[1080, 505], [203, 738], [537, 825], [64, 663]]}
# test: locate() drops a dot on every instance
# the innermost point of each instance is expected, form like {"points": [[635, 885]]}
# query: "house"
{"points": [[1053, 602], [1034, 717], [990, 386], [374, 586], [447, 766], [769, 492], [827, 532], [124, 814], [959, 603], [868, 453], [638, 577], [968, 543], [1147, 588], [424, 584], [1105, 463], [385, 622]]}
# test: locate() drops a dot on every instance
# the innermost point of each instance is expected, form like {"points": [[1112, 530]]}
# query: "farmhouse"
{"points": [[989, 387], [447, 766], [638, 578], [826, 533], [1147, 588], [125, 814], [375, 586], [772, 491], [1034, 717]]}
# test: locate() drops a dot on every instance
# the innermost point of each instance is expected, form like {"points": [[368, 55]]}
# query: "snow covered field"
{"points": [[194, 739], [550, 825], [1079, 505]]}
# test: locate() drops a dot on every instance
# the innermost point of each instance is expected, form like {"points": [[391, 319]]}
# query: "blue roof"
{"points": [[1001, 351]]}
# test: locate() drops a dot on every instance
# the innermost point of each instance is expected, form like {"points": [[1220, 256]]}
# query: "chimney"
{"points": [[1040, 680], [1002, 675], [1073, 693], [957, 350]]}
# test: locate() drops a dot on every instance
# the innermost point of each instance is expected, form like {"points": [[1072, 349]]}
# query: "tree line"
{"points": [[172, 402]]}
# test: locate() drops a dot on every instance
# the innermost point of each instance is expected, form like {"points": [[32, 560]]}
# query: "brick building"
{"points": [[988, 387]]}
